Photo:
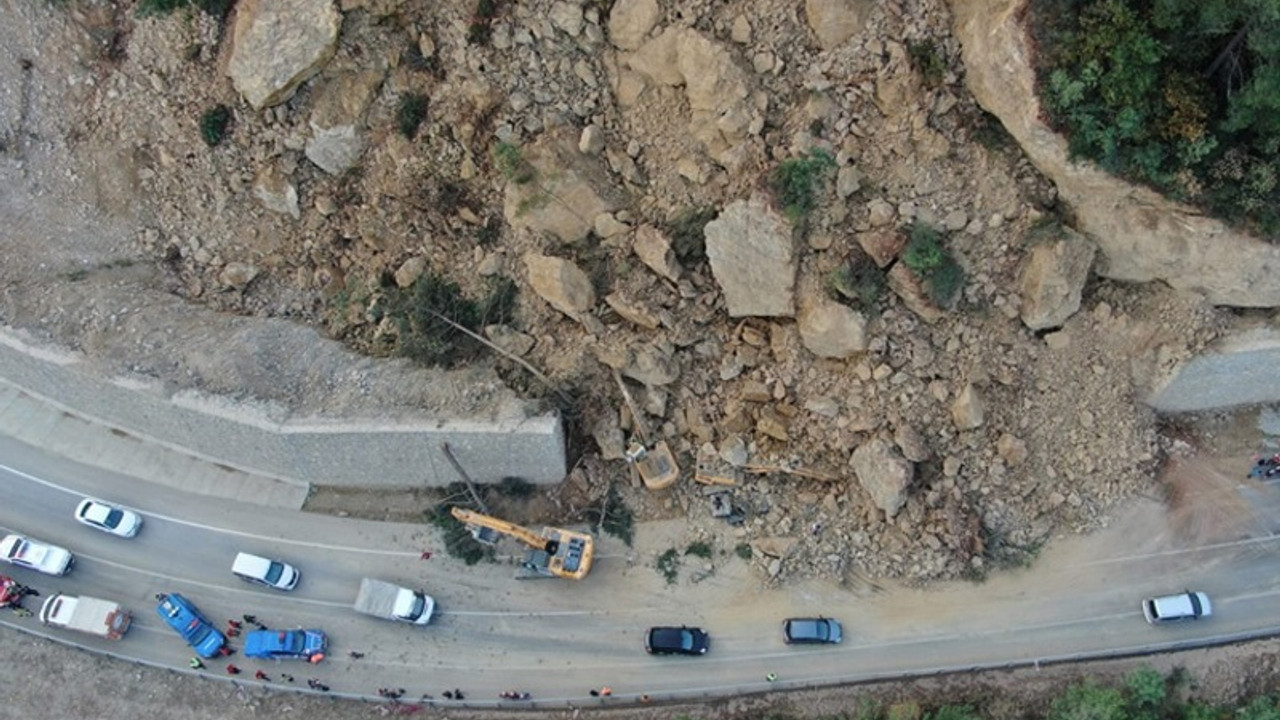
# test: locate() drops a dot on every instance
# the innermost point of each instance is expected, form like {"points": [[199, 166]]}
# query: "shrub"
{"points": [[512, 164], [928, 60], [743, 550], [927, 257], [515, 487], [668, 565], [1088, 701], [688, 234], [410, 114], [700, 549], [618, 519], [214, 124], [795, 182], [458, 541], [954, 712], [479, 30], [216, 8], [859, 280]]}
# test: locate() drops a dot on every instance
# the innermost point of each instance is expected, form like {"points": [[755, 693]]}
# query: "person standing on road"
{"points": [[771, 677], [259, 675], [232, 669], [196, 664]]}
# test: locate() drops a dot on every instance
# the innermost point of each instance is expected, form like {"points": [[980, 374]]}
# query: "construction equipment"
{"points": [[655, 464], [554, 553]]}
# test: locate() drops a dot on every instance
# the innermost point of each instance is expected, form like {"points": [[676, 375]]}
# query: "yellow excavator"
{"points": [[554, 553]]}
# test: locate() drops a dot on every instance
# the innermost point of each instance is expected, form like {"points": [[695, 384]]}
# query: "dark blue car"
{"points": [[195, 628]]}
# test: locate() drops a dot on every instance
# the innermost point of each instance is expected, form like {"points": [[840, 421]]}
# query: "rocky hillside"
{"points": [[639, 173]]}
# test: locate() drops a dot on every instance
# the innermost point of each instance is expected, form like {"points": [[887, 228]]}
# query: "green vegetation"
{"points": [[410, 114], [687, 233], [458, 541], [859, 280], [1183, 95], [515, 487], [479, 30], [743, 551], [618, 519], [421, 312], [668, 565], [699, 548], [216, 8], [214, 124], [926, 255], [512, 164], [795, 183], [928, 60]]}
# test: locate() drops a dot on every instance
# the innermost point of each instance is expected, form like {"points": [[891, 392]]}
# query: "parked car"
{"points": [[108, 518], [286, 645], [1173, 608], [187, 620], [265, 571], [812, 631], [676, 641], [38, 556]]}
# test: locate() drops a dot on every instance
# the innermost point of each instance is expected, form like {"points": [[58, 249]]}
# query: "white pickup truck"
{"points": [[103, 618], [392, 602]]}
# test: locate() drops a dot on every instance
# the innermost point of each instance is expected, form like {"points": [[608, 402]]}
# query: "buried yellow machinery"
{"points": [[554, 553]]}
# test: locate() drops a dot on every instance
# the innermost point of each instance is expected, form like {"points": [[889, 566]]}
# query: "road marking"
{"points": [[211, 528], [1181, 551]]}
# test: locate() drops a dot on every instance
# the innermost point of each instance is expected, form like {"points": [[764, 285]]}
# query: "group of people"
{"points": [[515, 695], [1268, 467]]}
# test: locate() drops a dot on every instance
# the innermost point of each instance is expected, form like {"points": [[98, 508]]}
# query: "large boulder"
{"points": [[884, 474], [276, 45], [561, 284], [832, 330], [717, 87], [1053, 277], [564, 191], [337, 120], [835, 21], [630, 22], [1141, 235], [750, 249]]}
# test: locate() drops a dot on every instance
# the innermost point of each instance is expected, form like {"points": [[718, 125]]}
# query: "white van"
{"points": [[272, 573]]}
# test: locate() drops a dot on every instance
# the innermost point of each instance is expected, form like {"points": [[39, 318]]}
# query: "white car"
{"points": [[1172, 608], [108, 518], [28, 553], [264, 571]]}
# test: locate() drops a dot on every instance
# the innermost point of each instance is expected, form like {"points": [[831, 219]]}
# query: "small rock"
{"points": [[956, 220], [951, 466], [513, 341], [733, 450], [740, 31], [653, 248], [1012, 449], [884, 474], [561, 284], [879, 212], [883, 246], [848, 181], [632, 311], [568, 17], [272, 188], [607, 226], [911, 443], [631, 20], [592, 140], [967, 412], [238, 275], [409, 271], [832, 330], [325, 205], [824, 406]]}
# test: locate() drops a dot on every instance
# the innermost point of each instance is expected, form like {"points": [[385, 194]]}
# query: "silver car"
{"points": [[108, 518], [1173, 608], [38, 556]]}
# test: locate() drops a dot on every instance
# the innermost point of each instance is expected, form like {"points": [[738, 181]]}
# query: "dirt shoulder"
{"points": [[44, 679]]}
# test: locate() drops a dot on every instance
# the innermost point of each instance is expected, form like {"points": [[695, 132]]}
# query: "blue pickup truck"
{"points": [[195, 628], [286, 644]]}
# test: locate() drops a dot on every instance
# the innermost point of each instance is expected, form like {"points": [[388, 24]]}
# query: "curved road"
{"points": [[557, 639]]}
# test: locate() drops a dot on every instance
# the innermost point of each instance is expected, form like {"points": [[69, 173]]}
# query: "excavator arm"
{"points": [[474, 519]]}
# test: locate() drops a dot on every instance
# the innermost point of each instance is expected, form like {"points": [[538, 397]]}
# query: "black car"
{"points": [[812, 631], [676, 641]]}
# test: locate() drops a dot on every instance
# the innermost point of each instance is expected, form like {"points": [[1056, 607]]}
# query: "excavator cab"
{"points": [[554, 553]]}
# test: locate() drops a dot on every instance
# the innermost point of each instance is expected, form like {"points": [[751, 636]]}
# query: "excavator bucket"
{"points": [[657, 466]]}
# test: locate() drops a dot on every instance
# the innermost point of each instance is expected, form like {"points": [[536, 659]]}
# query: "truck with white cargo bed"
{"points": [[84, 614], [392, 602]]}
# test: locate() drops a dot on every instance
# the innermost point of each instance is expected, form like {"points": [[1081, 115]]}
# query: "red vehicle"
{"points": [[12, 592]]}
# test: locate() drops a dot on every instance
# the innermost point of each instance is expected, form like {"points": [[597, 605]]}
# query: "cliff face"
{"points": [[1141, 236]]}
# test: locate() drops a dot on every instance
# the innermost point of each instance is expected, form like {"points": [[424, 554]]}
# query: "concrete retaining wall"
{"points": [[266, 439]]}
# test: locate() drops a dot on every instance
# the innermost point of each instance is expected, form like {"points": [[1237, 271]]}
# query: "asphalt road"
{"points": [[557, 639]]}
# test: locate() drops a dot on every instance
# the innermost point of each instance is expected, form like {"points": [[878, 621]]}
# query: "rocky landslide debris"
{"points": [[567, 153]]}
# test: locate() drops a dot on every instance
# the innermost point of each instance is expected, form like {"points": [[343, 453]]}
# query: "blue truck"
{"points": [[286, 645], [194, 627]]}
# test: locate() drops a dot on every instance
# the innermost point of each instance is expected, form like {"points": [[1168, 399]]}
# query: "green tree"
{"points": [[1088, 701]]}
